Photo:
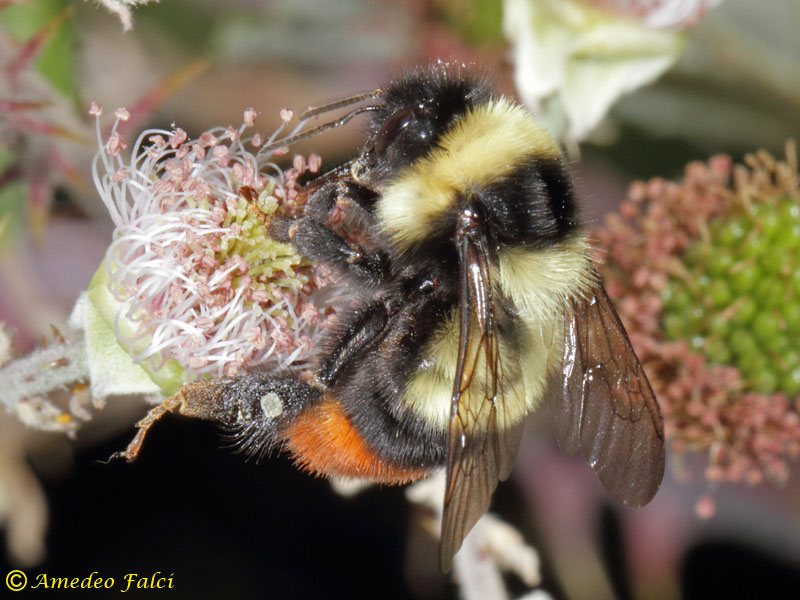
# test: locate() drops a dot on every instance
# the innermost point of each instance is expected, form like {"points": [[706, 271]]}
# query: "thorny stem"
{"points": [[31, 379]]}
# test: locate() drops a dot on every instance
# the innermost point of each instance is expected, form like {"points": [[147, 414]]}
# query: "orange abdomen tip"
{"points": [[322, 440]]}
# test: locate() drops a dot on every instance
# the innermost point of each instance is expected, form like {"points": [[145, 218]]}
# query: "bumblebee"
{"points": [[477, 303]]}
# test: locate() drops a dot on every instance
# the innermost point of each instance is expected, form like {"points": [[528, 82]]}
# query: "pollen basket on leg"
{"points": [[271, 405]]}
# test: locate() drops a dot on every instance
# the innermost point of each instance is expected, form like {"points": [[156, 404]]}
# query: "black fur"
{"points": [[367, 326], [532, 205]]}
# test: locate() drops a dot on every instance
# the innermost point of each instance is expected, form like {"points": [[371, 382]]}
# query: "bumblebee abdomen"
{"points": [[527, 346], [324, 440], [542, 281], [372, 392]]}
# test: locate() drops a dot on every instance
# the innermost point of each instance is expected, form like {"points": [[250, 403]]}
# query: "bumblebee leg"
{"points": [[255, 408], [369, 324], [320, 243], [359, 200], [312, 235], [132, 451]]}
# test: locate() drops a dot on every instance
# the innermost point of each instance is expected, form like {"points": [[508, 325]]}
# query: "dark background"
{"points": [[231, 528]]}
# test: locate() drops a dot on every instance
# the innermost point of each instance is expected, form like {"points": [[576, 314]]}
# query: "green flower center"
{"points": [[738, 302], [272, 265]]}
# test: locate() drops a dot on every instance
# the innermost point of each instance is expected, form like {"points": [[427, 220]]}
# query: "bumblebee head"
{"points": [[412, 115]]}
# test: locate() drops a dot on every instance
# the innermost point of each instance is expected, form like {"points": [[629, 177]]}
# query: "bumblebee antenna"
{"points": [[314, 111], [292, 139]]}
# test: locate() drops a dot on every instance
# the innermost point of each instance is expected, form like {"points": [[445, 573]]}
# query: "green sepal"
{"points": [[167, 378]]}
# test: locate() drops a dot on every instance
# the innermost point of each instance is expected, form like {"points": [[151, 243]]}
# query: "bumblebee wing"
{"points": [[483, 441], [604, 405]]}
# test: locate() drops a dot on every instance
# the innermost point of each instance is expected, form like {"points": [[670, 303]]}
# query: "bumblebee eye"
{"points": [[391, 128]]}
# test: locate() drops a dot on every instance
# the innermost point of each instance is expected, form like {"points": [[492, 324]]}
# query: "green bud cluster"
{"points": [[739, 303]]}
